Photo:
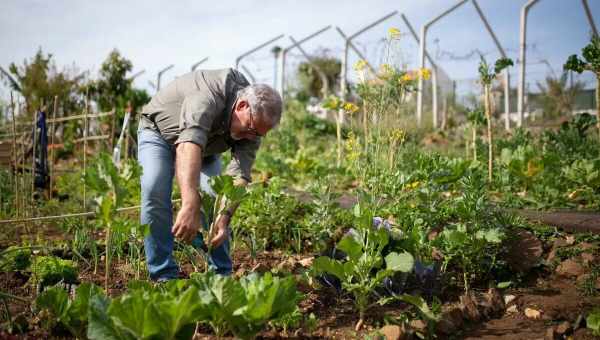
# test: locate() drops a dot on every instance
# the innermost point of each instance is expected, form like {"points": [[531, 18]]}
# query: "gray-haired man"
{"points": [[182, 132]]}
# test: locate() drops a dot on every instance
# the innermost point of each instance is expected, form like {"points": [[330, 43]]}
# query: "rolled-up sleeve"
{"points": [[198, 111], [243, 153]]}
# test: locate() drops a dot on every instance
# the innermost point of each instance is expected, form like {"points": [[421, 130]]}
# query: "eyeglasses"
{"points": [[251, 129]]}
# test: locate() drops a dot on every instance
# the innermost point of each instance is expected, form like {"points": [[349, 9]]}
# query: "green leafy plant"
{"points": [[467, 248], [109, 186], [244, 307], [71, 314], [50, 270], [363, 269], [227, 195], [593, 321], [167, 311], [15, 258], [590, 62]]}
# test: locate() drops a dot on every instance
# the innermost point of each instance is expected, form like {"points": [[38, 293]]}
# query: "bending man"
{"points": [[182, 132]]}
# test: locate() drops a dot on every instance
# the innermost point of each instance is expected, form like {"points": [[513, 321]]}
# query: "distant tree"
{"points": [[112, 89], [557, 97], [311, 84], [38, 81]]}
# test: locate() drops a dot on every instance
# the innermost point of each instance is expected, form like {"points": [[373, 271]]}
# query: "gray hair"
{"points": [[265, 102]]}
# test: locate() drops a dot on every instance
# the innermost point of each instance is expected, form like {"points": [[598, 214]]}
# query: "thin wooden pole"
{"points": [[52, 132], [85, 133], [34, 147], [14, 152]]}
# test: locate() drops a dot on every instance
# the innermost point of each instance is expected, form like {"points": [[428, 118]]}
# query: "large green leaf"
{"points": [[403, 262], [421, 305], [349, 245], [327, 265], [100, 325], [129, 313], [55, 300]]}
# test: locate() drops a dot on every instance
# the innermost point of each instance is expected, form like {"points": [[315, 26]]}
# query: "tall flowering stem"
{"points": [[487, 75]]}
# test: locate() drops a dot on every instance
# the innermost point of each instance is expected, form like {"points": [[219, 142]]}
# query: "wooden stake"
{"points": [[52, 133], [35, 117], [85, 133], [14, 152]]}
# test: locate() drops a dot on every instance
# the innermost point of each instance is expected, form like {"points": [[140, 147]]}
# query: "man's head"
{"points": [[256, 111]]}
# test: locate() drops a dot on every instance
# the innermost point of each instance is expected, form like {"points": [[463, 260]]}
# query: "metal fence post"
{"points": [[523, 60], [422, 47]]}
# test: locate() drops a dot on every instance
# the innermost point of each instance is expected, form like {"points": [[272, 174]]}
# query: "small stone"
{"points": [[550, 334], [260, 268], [569, 268], [492, 304], [533, 313], [392, 332], [508, 299], [587, 258], [469, 307], [307, 262], [564, 328], [524, 251], [570, 239], [559, 243], [512, 309], [418, 325], [451, 320]]}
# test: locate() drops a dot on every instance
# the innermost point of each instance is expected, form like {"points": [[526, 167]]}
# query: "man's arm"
{"points": [[188, 163]]}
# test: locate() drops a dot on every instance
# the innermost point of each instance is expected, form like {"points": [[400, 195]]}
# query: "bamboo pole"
{"points": [[14, 152], [52, 133], [33, 150], [23, 200], [85, 132], [81, 214]]}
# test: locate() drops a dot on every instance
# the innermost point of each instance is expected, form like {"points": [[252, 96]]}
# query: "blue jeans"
{"points": [[157, 159]]}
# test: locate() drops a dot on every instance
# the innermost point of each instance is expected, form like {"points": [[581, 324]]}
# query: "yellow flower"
{"points": [[414, 185], [408, 76], [350, 107], [386, 71], [397, 136], [394, 33], [425, 73], [360, 65], [353, 148], [331, 103]]}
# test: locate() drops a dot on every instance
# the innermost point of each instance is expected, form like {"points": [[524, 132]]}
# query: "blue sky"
{"points": [[155, 33]]}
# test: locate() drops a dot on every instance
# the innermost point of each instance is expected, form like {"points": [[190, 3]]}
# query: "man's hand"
{"points": [[188, 163], [187, 224], [221, 231]]}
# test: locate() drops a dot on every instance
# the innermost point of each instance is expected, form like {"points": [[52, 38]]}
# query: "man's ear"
{"points": [[242, 105]]}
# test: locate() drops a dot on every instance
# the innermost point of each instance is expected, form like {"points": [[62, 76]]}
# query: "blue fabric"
{"points": [[41, 151], [157, 159]]}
